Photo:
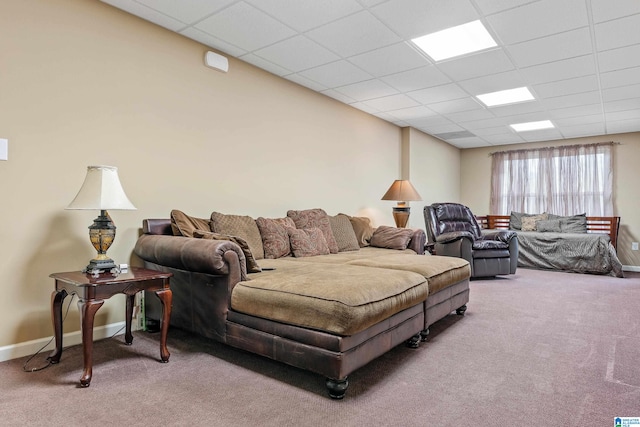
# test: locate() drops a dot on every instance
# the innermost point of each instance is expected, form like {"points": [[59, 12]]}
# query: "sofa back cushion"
{"points": [[391, 237], [184, 225], [315, 218], [251, 264], [239, 226], [343, 233], [275, 238], [451, 217], [572, 223], [307, 242]]}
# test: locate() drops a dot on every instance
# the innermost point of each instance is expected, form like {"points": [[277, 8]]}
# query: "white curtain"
{"points": [[566, 180]]}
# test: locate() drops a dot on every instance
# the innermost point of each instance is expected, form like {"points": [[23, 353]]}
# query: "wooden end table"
{"points": [[92, 291]]}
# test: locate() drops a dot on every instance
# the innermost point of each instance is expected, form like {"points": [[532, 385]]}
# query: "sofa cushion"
{"points": [[342, 300], [275, 238], [362, 228], [307, 242], [440, 271], [571, 223], [315, 218], [184, 225], [515, 219], [252, 265], [391, 237], [343, 233], [240, 226], [548, 226]]}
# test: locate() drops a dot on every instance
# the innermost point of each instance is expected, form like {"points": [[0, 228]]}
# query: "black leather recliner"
{"points": [[452, 230]]}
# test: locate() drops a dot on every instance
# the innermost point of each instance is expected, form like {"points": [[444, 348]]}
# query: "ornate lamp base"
{"points": [[101, 233], [401, 215]]}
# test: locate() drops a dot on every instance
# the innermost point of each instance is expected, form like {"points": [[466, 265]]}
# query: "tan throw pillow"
{"points": [[184, 225], [529, 222], [275, 238], [362, 228], [391, 237], [239, 226], [343, 233], [252, 265], [315, 218], [307, 242]]}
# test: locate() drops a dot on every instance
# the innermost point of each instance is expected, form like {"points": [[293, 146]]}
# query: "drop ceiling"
{"points": [[579, 58]]}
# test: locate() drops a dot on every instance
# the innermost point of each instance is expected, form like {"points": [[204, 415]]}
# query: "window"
{"points": [[566, 180]]}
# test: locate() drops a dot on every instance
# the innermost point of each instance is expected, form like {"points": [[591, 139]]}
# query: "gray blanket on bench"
{"points": [[581, 253]]}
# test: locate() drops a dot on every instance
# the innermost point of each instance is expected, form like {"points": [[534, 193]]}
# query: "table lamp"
{"points": [[102, 191], [401, 191]]}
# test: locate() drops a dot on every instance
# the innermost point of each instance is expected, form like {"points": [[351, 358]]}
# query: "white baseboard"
{"points": [[28, 348], [630, 268]]}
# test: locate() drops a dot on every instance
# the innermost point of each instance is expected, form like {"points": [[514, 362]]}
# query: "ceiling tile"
{"points": [[618, 33], [368, 109], [490, 7], [188, 11], [560, 70], [354, 34], [303, 81], [339, 73], [552, 48], [303, 16], [581, 110], [389, 60], [297, 54], [541, 135], [431, 122], [231, 25], [147, 13], [580, 120], [623, 115], [448, 107], [264, 64], [620, 93], [367, 90], [539, 19], [418, 78], [622, 105], [583, 130], [413, 18], [338, 96], [214, 42], [622, 126], [467, 142], [476, 65], [567, 87], [504, 139], [393, 102], [412, 113], [629, 76], [577, 99], [494, 131], [617, 59], [605, 10], [518, 108], [438, 93], [470, 116], [494, 82]]}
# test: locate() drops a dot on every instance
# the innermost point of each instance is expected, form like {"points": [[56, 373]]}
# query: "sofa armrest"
{"points": [[453, 236], [189, 254], [501, 235], [418, 241]]}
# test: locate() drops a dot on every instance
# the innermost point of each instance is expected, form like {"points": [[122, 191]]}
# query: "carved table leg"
{"points": [[128, 337], [337, 388], [87, 314], [56, 316], [166, 297]]}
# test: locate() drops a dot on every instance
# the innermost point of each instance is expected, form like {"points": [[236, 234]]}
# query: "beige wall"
{"points": [[83, 83], [476, 184]]}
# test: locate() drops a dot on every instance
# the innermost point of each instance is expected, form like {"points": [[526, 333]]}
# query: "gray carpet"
{"points": [[535, 349]]}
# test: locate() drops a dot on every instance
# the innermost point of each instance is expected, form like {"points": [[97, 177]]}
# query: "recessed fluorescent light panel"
{"points": [[503, 97], [456, 41], [523, 127]]}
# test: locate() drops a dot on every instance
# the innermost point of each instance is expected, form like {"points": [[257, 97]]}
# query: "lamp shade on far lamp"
{"points": [[401, 191], [101, 191]]}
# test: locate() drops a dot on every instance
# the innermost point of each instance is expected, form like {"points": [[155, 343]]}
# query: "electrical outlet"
{"points": [[634, 246]]}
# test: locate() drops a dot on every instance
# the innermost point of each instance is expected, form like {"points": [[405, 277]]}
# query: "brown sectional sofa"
{"points": [[330, 313]]}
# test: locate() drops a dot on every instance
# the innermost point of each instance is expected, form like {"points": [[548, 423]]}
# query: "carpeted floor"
{"points": [[535, 349]]}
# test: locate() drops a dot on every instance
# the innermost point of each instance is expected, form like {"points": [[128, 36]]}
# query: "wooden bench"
{"points": [[595, 224]]}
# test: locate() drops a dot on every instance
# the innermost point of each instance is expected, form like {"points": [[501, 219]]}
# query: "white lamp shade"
{"points": [[101, 190]]}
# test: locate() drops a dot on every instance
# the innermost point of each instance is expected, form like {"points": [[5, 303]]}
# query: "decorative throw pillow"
{"points": [[362, 228], [529, 221], [275, 238], [315, 218], [391, 237], [574, 224], [239, 226], [343, 233], [252, 265], [549, 225], [184, 225], [307, 242]]}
